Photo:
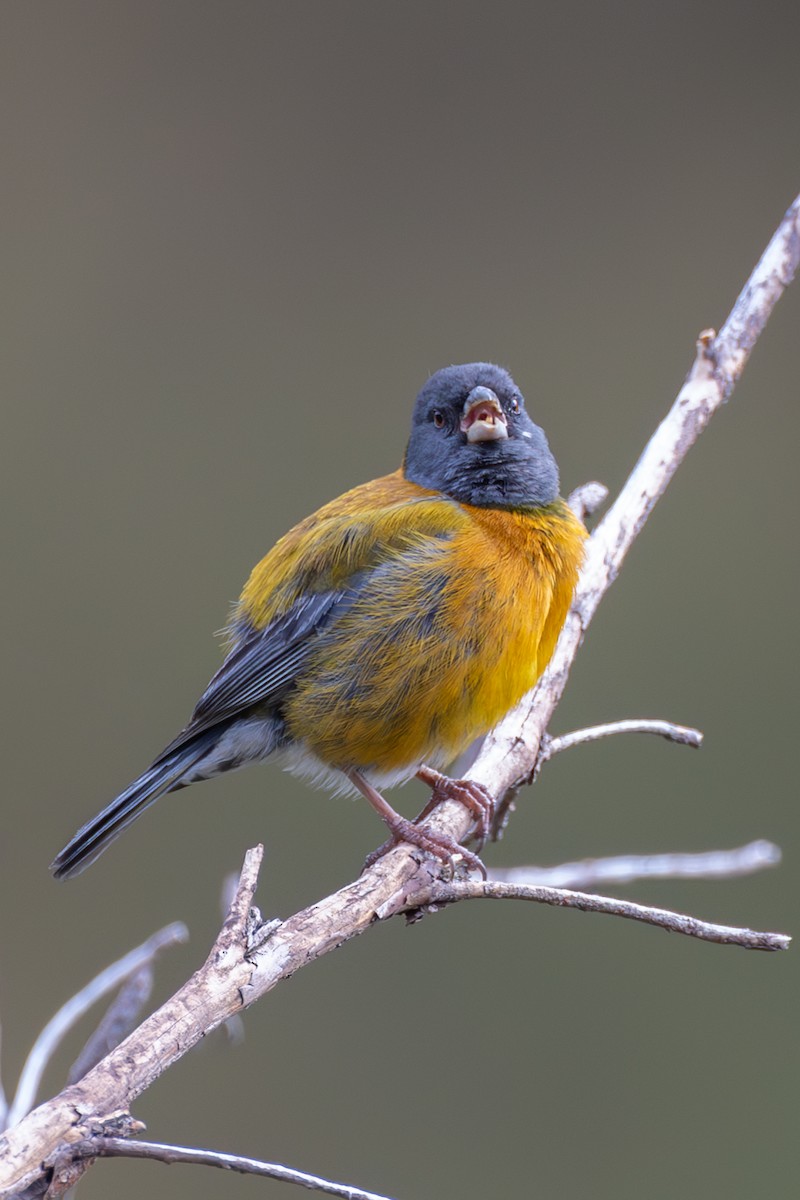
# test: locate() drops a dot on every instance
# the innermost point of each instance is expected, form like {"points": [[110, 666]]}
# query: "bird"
{"points": [[385, 633]]}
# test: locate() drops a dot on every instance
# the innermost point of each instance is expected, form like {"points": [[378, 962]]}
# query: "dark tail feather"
{"points": [[163, 776]]}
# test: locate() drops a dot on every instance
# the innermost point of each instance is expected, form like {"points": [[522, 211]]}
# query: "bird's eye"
{"points": [[438, 418], [514, 405]]}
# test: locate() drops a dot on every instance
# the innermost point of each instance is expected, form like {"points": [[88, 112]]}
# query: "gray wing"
{"points": [[258, 670], [261, 668]]}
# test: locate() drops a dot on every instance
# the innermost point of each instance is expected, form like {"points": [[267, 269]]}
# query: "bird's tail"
{"points": [[165, 775]]}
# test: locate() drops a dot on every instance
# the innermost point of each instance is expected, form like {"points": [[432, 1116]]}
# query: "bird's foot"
{"points": [[478, 802], [444, 848], [447, 850]]}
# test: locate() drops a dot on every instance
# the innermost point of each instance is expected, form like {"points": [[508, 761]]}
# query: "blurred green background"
{"points": [[237, 238]]}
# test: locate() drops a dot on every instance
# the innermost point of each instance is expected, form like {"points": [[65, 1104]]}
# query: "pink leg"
{"points": [[402, 830]]}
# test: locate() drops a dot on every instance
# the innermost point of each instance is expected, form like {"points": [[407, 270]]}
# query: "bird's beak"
{"points": [[482, 417]]}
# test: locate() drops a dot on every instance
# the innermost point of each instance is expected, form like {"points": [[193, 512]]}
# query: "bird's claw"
{"points": [[477, 800], [442, 847]]}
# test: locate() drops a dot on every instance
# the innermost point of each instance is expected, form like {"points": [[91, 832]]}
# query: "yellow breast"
{"points": [[443, 638]]}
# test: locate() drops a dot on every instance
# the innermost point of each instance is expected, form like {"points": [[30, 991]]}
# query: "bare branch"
{"points": [[48, 1040], [158, 1152], [239, 970], [450, 893], [682, 734], [625, 868]]}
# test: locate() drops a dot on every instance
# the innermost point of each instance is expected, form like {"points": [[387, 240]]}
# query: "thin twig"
{"points": [[450, 893], [625, 868], [48, 1040], [158, 1152], [682, 734]]}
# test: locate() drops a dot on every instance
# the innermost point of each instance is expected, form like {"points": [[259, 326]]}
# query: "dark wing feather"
{"points": [[262, 666], [258, 670]]}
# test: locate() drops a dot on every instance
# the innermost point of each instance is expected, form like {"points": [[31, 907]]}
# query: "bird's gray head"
{"points": [[472, 439]]}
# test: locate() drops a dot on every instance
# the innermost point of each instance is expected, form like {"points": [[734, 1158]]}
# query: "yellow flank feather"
{"points": [[454, 614]]}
